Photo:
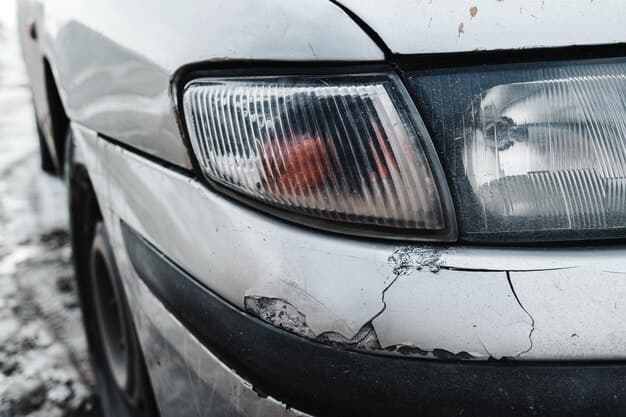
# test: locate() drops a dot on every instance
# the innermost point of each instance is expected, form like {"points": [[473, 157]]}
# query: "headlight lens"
{"points": [[535, 152], [346, 149]]}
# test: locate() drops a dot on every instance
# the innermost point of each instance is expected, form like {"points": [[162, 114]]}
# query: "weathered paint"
{"points": [[187, 378], [427, 26], [417, 300]]}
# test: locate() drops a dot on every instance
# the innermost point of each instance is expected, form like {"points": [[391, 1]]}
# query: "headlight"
{"points": [[348, 151], [534, 151]]}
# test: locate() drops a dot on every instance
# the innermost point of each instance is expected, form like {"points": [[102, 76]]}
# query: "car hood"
{"points": [[438, 26]]}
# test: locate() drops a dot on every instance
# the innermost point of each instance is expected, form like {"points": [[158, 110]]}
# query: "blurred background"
{"points": [[44, 368]]}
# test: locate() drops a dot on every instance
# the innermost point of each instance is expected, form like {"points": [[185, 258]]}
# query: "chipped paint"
{"points": [[279, 313], [187, 370], [365, 339], [284, 315], [431, 307], [321, 315], [406, 350], [405, 27], [424, 311], [412, 258]]}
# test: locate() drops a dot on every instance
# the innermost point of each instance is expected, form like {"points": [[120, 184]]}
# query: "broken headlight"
{"points": [[349, 153], [534, 152]]}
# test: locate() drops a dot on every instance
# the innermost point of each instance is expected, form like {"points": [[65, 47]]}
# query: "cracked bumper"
{"points": [[435, 302], [332, 381]]}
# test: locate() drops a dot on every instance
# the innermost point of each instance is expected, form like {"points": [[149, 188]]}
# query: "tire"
{"points": [[122, 382]]}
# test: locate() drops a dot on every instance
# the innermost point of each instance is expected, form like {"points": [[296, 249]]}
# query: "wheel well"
{"points": [[59, 122], [84, 215]]}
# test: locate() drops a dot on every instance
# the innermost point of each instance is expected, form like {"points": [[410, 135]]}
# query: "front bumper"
{"points": [[496, 306], [333, 381]]}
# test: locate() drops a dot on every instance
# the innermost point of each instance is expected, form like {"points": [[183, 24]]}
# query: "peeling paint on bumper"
{"points": [[424, 301]]}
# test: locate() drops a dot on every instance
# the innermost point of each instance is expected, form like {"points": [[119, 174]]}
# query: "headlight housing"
{"points": [[345, 153], [534, 151]]}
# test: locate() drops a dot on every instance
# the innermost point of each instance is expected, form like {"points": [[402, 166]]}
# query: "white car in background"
{"points": [[342, 207]]}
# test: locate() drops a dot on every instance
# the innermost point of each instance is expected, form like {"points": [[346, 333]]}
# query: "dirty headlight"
{"points": [[534, 151], [347, 151]]}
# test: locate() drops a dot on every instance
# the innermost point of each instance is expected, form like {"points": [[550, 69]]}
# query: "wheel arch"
{"points": [[58, 124]]}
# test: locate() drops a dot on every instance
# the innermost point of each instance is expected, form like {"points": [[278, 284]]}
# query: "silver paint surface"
{"points": [[187, 378], [433, 302], [430, 26], [114, 69]]}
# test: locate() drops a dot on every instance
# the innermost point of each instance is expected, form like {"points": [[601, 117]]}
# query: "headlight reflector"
{"points": [[347, 149], [535, 152]]}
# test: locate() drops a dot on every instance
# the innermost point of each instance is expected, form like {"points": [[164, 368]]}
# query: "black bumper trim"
{"points": [[329, 381]]}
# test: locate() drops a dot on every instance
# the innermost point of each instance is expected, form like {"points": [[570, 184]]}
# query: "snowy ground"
{"points": [[44, 369]]}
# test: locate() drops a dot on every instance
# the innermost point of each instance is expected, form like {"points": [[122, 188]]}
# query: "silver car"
{"points": [[342, 207]]}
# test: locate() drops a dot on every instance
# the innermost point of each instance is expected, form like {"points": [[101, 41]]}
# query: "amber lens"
{"points": [[342, 148]]}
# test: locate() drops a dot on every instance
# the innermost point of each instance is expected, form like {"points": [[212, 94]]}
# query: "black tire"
{"points": [[122, 382]]}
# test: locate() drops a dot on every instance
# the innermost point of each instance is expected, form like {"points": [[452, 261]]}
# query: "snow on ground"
{"points": [[44, 368]]}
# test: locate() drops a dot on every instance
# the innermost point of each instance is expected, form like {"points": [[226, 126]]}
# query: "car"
{"points": [[338, 207]]}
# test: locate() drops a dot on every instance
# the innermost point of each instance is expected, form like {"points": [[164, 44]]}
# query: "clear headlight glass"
{"points": [[349, 150], [534, 151]]}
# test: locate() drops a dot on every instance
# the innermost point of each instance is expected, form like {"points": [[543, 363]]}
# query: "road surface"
{"points": [[44, 369]]}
